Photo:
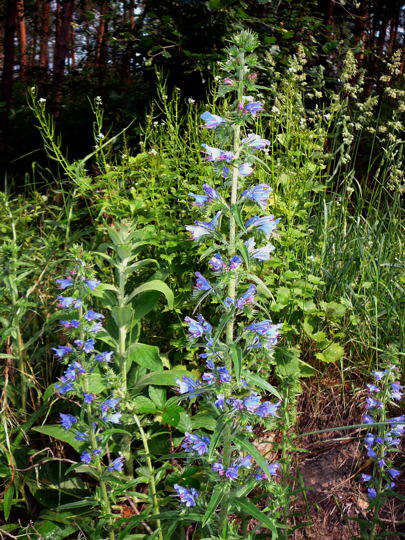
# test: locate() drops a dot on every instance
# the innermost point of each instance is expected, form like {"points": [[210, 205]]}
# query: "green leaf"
{"points": [[213, 504], [254, 452], [122, 315], [8, 501], [236, 355], [162, 378], [261, 383], [154, 285], [203, 420], [144, 355], [333, 310], [171, 415], [252, 510], [144, 405], [216, 436], [58, 432], [158, 396], [332, 353]]}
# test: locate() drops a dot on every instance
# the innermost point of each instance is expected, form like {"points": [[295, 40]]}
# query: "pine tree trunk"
{"points": [[44, 35], [62, 48], [23, 39], [9, 54]]}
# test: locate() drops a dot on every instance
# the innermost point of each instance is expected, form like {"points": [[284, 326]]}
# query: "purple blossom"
{"points": [[216, 154], [396, 391], [202, 228], [212, 121], [261, 254], [64, 388], [199, 200], [216, 263], [196, 443], [266, 409], [92, 283], [199, 327], [219, 468], [220, 401], [247, 297], [64, 283], [113, 417], [366, 477], [81, 436], [104, 356], [88, 398], [232, 472], [202, 284], [224, 375], [67, 420], [85, 457], [228, 302], [187, 385], [245, 169], [246, 462], [255, 141], [266, 224], [91, 315], [373, 388], [87, 346], [367, 419], [61, 351], [372, 493], [253, 108], [252, 402], [187, 496], [110, 403], [95, 328], [258, 194], [70, 324], [116, 465], [394, 472], [235, 262], [65, 302], [378, 375]]}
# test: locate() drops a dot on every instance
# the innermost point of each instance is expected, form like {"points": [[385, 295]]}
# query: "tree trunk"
{"points": [[23, 39], [61, 47], [101, 34], [9, 51], [44, 35]]}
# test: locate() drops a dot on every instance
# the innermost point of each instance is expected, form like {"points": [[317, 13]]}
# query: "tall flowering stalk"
{"points": [[85, 383], [383, 442], [228, 389]]}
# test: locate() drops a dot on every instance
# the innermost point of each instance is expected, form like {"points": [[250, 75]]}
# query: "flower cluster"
{"points": [[83, 361], [226, 386], [381, 446]]}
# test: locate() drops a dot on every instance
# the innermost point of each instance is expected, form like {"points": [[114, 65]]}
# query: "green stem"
{"points": [[151, 476]]}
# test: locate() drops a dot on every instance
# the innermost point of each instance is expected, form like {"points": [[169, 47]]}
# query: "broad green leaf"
{"points": [[261, 383], [154, 285], [144, 405], [8, 501], [213, 504], [122, 315], [58, 432], [163, 378], [158, 396], [171, 415], [252, 510], [332, 353], [204, 421], [144, 355]]}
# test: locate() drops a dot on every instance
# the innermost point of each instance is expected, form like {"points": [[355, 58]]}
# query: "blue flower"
{"points": [[372, 493], [224, 375], [232, 472], [243, 170], [220, 401], [216, 263], [216, 154], [91, 315], [70, 324], [68, 301], [187, 496], [252, 402], [85, 457], [187, 385], [117, 465], [266, 409], [104, 356], [211, 192], [61, 351], [113, 418], [263, 328], [199, 327], [110, 403], [258, 194], [246, 462], [88, 398], [92, 283], [199, 200], [261, 254], [266, 224], [253, 107], [64, 283], [373, 388], [394, 473], [378, 375], [209, 378], [255, 141], [367, 419], [228, 302], [202, 228], [396, 391], [81, 436], [235, 262], [196, 443], [219, 468], [67, 420], [87, 346], [212, 121], [95, 328], [64, 388], [202, 284], [366, 477], [247, 297]]}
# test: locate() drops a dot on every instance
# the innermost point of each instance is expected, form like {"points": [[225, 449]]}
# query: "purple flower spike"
{"points": [[372, 493], [116, 465], [266, 409], [67, 420], [235, 262], [202, 228], [394, 473], [216, 263], [247, 297], [212, 121], [88, 398], [219, 468], [87, 346], [199, 327], [220, 401], [366, 477], [396, 391], [85, 457], [187, 496], [378, 375], [232, 472], [253, 108]]}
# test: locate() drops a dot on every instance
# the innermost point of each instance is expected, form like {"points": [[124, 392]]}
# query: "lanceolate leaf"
{"points": [[213, 504], [251, 510], [254, 452], [58, 432], [261, 383]]}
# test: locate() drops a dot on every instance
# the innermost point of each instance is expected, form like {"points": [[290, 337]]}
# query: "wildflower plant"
{"points": [[236, 229], [382, 442], [86, 383]]}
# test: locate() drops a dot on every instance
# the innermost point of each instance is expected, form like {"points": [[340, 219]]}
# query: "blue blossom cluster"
{"points": [[381, 446], [219, 387], [82, 359]]}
